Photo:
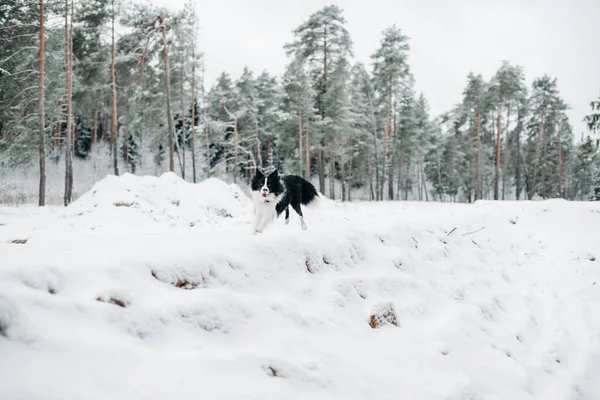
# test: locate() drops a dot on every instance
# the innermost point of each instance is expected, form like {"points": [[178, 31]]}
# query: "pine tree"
{"points": [[390, 72], [322, 42]]}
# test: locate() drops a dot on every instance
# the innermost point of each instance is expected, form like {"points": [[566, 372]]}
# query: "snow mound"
{"points": [[165, 199], [494, 300]]}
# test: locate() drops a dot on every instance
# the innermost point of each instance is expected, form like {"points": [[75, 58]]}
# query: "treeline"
{"points": [[122, 82]]}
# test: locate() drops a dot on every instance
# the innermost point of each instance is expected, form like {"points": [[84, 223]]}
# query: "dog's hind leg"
{"points": [[287, 215], [296, 207]]}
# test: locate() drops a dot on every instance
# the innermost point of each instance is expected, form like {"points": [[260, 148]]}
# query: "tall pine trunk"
{"points": [[42, 148], [537, 150], [183, 132], [518, 166], [332, 169], [350, 164], [342, 168], [126, 147], [478, 195], [560, 166], [270, 151], [498, 147], [307, 164], [506, 151], [470, 186], [69, 71], [171, 125], [95, 130], [321, 167], [300, 147], [390, 147], [113, 85], [193, 119], [235, 150]]}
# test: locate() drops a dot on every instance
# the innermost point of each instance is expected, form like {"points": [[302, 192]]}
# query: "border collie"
{"points": [[273, 194]]}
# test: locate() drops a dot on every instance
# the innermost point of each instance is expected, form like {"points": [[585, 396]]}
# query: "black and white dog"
{"points": [[273, 194]]}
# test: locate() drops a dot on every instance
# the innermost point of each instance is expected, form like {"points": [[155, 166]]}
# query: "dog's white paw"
{"points": [[287, 221], [256, 231]]}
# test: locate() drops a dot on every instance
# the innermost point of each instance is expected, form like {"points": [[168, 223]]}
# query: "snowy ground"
{"points": [[153, 288]]}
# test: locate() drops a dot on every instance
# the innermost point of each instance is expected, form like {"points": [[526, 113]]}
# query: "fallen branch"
{"points": [[450, 233], [478, 230]]}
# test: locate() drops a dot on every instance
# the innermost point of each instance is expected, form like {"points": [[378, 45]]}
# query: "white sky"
{"points": [[447, 38]]}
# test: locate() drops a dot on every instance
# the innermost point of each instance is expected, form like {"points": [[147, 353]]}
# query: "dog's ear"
{"points": [[257, 173], [275, 174]]}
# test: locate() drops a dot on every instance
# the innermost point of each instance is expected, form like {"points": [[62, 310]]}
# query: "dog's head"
{"points": [[268, 186]]}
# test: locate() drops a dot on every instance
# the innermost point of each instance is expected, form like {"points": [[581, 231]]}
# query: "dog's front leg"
{"points": [[257, 219]]}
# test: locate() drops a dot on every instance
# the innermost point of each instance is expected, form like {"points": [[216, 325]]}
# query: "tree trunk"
{"points": [[321, 166], [270, 151], [470, 185], [423, 178], [350, 162], [300, 147], [183, 132], [235, 150], [113, 85], [537, 148], [560, 166], [68, 67], [342, 169], [193, 120], [439, 176], [207, 143], [498, 147], [506, 150], [42, 147], [332, 171], [400, 164], [171, 125], [406, 181], [307, 164], [370, 171], [478, 195], [95, 130], [258, 145], [390, 150], [126, 146], [518, 140]]}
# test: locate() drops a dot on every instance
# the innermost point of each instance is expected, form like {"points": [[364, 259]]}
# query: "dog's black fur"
{"points": [[289, 190]]}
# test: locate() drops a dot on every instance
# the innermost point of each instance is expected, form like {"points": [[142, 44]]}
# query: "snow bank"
{"points": [[164, 199], [170, 295]]}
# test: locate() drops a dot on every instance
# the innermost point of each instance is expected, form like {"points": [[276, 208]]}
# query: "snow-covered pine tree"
{"points": [[321, 42], [390, 73]]}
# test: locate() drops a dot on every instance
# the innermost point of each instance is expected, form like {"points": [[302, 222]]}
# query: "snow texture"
{"points": [[154, 288]]}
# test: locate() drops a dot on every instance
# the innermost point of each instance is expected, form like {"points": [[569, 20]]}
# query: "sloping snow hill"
{"points": [[153, 288]]}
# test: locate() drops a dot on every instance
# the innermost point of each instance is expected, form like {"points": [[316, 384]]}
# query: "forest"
{"points": [[97, 87]]}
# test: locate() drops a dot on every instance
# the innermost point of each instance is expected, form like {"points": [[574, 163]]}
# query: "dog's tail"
{"points": [[310, 196]]}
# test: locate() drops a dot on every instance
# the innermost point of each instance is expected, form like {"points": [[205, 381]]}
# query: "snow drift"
{"points": [[154, 288]]}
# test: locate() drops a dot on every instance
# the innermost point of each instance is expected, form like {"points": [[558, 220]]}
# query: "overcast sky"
{"points": [[448, 39]]}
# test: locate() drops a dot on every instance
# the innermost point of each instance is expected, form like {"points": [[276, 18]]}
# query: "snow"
{"points": [[154, 288]]}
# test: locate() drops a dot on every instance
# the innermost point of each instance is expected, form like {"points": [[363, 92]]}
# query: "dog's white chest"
{"points": [[265, 212]]}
